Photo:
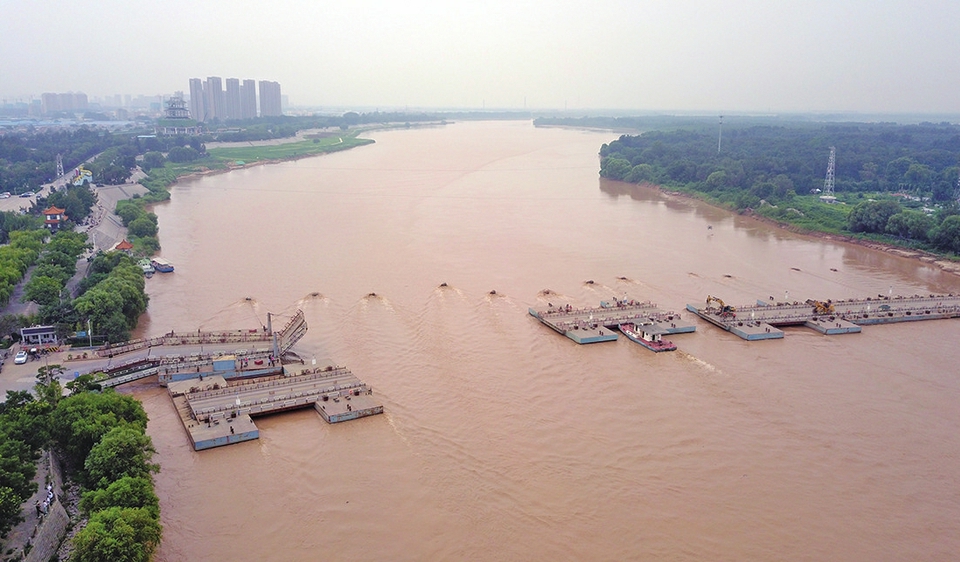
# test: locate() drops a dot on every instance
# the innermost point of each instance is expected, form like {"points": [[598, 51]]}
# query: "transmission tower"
{"points": [[59, 166], [828, 182]]}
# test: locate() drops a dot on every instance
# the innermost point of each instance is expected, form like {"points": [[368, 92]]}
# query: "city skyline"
{"points": [[210, 100], [706, 55]]}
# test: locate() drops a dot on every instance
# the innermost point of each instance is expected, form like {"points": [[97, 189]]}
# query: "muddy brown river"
{"points": [[502, 440]]}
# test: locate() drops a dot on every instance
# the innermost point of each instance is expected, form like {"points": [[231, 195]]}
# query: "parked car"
{"points": [[5, 195], [27, 194], [21, 358]]}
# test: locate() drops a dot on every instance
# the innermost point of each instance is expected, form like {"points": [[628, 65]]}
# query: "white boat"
{"points": [[146, 266]]}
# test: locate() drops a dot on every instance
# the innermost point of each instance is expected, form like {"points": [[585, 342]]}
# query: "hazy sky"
{"points": [[763, 55]]}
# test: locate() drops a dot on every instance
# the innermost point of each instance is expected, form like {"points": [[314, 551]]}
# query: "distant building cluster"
{"points": [[209, 100], [52, 103]]}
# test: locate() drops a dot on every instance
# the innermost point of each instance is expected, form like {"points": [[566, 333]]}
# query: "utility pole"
{"points": [[956, 192], [720, 135]]}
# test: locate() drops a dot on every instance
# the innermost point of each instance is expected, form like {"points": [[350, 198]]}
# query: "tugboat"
{"points": [[647, 335]]}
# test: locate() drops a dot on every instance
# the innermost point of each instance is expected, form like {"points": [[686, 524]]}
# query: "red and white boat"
{"points": [[647, 335]]}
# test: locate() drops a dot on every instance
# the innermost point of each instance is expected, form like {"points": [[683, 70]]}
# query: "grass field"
{"points": [[158, 179], [283, 151]]}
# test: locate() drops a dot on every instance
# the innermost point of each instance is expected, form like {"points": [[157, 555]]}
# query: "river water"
{"points": [[502, 440]]}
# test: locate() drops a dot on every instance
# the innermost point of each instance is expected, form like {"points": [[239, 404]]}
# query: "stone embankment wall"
{"points": [[53, 527]]}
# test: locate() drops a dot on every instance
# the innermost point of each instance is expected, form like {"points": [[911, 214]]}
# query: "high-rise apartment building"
{"points": [[197, 107], [209, 101], [232, 99], [213, 90], [270, 99], [52, 103], [248, 99]]}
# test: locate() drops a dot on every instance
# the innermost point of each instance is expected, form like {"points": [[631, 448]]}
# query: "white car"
{"points": [[21, 358]]}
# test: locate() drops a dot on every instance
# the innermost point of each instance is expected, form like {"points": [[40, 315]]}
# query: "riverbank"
{"points": [[944, 263], [244, 155], [230, 156]]}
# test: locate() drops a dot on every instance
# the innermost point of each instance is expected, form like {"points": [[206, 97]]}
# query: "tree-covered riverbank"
{"points": [[893, 184], [101, 439]]}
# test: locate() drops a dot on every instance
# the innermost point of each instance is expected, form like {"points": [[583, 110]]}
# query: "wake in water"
{"points": [[700, 363], [243, 312]]}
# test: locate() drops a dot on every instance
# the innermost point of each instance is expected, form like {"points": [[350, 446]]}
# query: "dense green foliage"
{"points": [[75, 201], [776, 171], [57, 264], [126, 491], [103, 440], [112, 296], [114, 165], [16, 257], [118, 534], [28, 160], [18, 454], [870, 157], [141, 225]]}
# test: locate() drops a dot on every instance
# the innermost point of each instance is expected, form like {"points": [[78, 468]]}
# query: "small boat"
{"points": [[146, 266], [647, 335], [161, 265]]}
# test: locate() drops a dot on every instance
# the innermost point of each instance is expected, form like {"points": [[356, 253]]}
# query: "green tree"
{"points": [[918, 175], [947, 236], [152, 160], [80, 420], [615, 168], [142, 226], [872, 216], [146, 246], [717, 180], [83, 383], [42, 290], [51, 271], [127, 491], [180, 154], [911, 224], [49, 392], [68, 262], [642, 173], [123, 451], [9, 509], [117, 534], [129, 211]]}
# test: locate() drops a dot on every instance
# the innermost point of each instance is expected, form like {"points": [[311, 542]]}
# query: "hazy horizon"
{"points": [[686, 56]]}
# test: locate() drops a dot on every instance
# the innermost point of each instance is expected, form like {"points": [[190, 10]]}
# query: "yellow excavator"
{"points": [[725, 310], [821, 307]]}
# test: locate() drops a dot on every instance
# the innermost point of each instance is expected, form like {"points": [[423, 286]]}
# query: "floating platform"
{"points": [[763, 320], [229, 366], [216, 412], [599, 324]]}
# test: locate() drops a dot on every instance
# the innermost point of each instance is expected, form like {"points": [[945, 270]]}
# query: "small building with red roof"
{"points": [[53, 217], [124, 246]]}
